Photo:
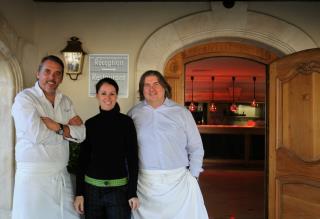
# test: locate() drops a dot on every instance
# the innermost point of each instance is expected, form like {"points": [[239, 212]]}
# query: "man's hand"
{"points": [[75, 121], [52, 125], [78, 204]]}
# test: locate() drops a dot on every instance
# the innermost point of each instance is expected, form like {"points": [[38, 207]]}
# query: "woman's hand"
{"points": [[78, 204], [134, 203]]}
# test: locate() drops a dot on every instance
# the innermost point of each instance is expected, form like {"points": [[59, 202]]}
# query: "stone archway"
{"points": [[10, 85], [219, 24]]}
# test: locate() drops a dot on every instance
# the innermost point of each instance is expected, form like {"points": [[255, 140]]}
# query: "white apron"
{"points": [[169, 194], [42, 191]]}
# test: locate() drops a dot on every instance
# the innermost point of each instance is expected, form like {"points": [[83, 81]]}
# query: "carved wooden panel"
{"points": [[297, 110], [294, 144], [174, 83], [299, 199], [229, 49], [174, 73], [298, 187]]}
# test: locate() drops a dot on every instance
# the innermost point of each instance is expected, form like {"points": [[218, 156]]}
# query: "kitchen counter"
{"points": [[231, 129], [246, 131]]}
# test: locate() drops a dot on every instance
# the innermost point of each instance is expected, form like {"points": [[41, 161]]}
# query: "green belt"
{"points": [[105, 182]]}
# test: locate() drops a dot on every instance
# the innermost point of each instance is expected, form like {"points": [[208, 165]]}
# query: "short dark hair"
{"points": [[107, 81], [161, 79], [53, 58]]}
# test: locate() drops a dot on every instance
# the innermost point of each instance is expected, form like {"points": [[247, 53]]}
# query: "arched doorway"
{"points": [[175, 71], [220, 25]]}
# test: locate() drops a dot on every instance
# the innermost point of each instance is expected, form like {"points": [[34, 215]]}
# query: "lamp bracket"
{"points": [[73, 77]]}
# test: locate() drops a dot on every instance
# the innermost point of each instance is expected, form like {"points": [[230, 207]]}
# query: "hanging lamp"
{"points": [[192, 106], [212, 107], [254, 103], [233, 107]]}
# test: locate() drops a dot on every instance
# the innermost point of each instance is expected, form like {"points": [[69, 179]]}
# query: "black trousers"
{"points": [[106, 202]]}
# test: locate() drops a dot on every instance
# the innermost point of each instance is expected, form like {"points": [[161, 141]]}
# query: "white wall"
{"points": [[20, 15], [17, 30], [302, 14], [103, 28]]}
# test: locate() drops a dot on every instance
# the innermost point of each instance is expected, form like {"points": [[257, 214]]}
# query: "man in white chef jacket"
{"points": [[45, 122]]}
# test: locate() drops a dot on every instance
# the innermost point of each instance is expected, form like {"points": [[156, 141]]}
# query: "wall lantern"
{"points": [[73, 57]]}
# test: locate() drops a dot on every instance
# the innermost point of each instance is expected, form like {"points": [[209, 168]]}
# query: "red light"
{"points": [[233, 108], [254, 103], [192, 107], [251, 123], [232, 217], [212, 107]]}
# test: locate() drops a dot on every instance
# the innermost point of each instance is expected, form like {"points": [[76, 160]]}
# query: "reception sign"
{"points": [[115, 66]]}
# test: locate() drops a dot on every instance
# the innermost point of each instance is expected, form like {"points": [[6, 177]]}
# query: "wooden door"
{"points": [[294, 137]]}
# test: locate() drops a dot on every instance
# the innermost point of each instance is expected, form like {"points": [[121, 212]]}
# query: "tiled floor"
{"points": [[233, 192]]}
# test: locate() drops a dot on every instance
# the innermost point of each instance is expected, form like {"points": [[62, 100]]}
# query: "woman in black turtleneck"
{"points": [[108, 162]]}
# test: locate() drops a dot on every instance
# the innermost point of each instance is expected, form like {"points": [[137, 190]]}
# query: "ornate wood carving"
{"points": [[308, 68]]}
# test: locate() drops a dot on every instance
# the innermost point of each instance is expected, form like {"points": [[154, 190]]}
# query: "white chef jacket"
{"points": [[43, 187], [34, 141]]}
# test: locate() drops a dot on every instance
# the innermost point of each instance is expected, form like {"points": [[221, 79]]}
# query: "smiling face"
{"points": [[107, 96], [153, 91], [50, 76]]}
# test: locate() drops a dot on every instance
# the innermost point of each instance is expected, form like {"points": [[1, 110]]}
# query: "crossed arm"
{"points": [[55, 126]]}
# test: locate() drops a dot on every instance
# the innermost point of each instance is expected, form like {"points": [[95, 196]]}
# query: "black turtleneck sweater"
{"points": [[109, 151]]}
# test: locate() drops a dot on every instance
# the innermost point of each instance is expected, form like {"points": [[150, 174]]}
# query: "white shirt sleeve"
{"points": [[78, 133], [28, 123], [194, 146]]}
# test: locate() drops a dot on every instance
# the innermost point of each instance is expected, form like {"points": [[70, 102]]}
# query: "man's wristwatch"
{"points": [[60, 131]]}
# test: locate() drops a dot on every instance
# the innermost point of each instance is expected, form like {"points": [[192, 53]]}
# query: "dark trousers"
{"points": [[106, 202]]}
